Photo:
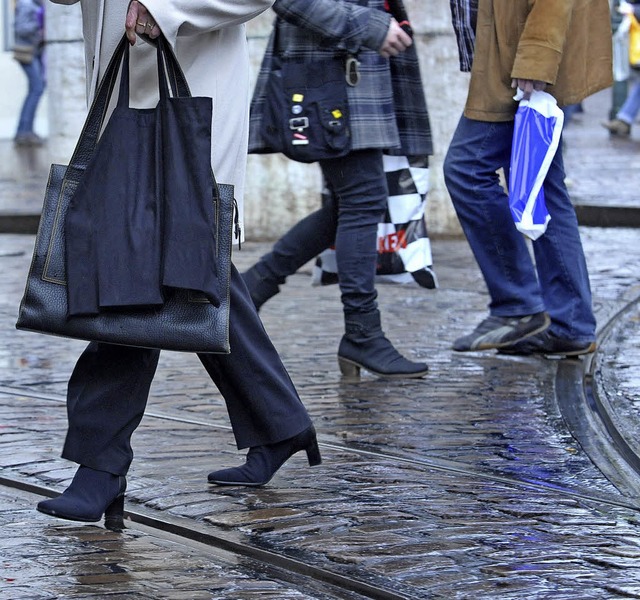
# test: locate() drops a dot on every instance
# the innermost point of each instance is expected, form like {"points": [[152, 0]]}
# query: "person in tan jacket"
{"points": [[563, 48]]}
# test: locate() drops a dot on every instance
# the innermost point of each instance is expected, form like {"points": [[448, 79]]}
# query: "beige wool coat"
{"points": [[210, 43], [565, 43]]}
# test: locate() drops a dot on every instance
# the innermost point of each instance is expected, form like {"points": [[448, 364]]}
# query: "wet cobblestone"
{"points": [[477, 489], [617, 374], [45, 561], [595, 162]]}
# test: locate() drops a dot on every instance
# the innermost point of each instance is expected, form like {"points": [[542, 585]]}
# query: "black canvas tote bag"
{"points": [[154, 260]]}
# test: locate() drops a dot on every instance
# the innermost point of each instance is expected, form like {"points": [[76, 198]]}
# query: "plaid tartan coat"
{"points": [[387, 108]]}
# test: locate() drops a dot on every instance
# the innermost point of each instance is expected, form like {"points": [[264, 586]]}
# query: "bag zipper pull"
{"points": [[237, 229]]}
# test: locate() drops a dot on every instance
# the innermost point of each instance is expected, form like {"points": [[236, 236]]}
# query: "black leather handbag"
{"points": [[184, 319], [306, 109]]}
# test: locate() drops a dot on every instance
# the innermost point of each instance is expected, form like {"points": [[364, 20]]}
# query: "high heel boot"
{"points": [[260, 287], [364, 346], [263, 461], [91, 494]]}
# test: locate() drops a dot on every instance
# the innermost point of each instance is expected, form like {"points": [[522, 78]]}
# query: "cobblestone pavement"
{"points": [[463, 485], [601, 168], [466, 484]]}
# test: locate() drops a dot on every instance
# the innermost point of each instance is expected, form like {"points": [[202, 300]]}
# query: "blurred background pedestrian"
{"points": [[621, 124], [29, 41]]}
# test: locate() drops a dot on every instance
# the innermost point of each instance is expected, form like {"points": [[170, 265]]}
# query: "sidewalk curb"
{"points": [[20, 224], [589, 215]]}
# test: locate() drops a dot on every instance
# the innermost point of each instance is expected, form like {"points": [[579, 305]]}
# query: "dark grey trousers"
{"points": [[109, 387]]}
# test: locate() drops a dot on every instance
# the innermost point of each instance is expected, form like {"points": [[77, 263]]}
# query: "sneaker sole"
{"points": [[498, 345], [568, 354]]}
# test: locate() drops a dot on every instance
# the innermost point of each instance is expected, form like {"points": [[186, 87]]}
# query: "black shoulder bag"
{"points": [[306, 109]]}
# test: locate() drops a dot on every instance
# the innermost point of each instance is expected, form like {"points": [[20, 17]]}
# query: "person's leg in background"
{"points": [[359, 192], [564, 279], [628, 112], [359, 185], [25, 135], [303, 242], [570, 111]]}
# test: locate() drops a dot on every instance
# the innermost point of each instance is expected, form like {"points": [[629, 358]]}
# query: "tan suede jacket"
{"points": [[566, 43]]}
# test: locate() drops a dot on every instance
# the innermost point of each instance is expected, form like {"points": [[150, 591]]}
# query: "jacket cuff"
{"points": [[536, 62], [378, 27]]}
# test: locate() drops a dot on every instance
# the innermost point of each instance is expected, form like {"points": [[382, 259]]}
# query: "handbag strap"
{"points": [[169, 74], [168, 69]]}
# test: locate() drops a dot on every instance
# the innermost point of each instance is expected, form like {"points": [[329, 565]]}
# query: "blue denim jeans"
{"points": [[558, 282], [35, 74], [359, 189], [629, 110]]}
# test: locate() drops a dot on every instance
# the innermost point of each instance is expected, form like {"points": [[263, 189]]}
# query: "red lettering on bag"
{"points": [[392, 242]]}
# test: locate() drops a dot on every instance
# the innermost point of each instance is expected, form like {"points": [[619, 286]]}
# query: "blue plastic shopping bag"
{"points": [[536, 135]]}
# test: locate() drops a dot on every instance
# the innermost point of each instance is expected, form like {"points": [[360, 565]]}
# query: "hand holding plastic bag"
{"points": [[536, 135]]}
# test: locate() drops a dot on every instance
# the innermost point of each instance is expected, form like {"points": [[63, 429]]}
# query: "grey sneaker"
{"points": [[28, 139], [498, 332], [618, 127]]}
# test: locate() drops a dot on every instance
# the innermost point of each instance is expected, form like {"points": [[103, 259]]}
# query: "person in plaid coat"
{"points": [[388, 114]]}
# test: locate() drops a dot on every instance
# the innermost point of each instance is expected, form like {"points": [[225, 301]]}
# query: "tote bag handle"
{"points": [[169, 71]]}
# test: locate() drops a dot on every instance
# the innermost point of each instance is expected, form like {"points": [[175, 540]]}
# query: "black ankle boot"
{"points": [[364, 346], [263, 461], [91, 494], [260, 287]]}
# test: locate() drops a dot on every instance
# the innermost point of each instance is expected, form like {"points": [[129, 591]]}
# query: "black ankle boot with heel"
{"points": [[364, 346], [264, 461], [91, 494]]}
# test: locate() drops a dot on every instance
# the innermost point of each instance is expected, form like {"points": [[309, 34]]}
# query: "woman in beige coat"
{"points": [[211, 47], [108, 389]]}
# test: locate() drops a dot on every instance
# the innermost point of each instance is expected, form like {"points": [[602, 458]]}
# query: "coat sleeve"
{"points": [[542, 41], [345, 25], [185, 17]]}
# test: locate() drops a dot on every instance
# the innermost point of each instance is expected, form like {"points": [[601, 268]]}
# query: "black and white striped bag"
{"points": [[404, 248]]}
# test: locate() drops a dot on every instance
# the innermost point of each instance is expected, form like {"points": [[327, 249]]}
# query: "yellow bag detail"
{"points": [[634, 43]]}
